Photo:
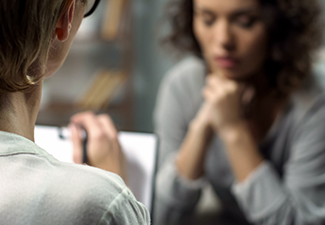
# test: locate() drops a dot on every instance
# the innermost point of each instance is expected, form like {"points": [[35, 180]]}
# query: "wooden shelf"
{"points": [[58, 114]]}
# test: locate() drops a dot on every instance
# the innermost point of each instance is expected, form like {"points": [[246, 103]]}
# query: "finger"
{"points": [[205, 92], [81, 116], [216, 81], [247, 102], [248, 95], [216, 74], [208, 94], [77, 143], [212, 84], [234, 87], [89, 121], [107, 125], [211, 80]]}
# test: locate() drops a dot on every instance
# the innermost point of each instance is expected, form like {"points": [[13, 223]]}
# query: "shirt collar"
{"points": [[12, 144]]}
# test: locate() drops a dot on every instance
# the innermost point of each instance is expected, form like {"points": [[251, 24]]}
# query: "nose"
{"points": [[223, 35]]}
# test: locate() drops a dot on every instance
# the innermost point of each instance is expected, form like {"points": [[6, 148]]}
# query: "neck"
{"points": [[20, 112]]}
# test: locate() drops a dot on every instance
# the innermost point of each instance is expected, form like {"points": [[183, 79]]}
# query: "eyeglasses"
{"points": [[90, 7]]}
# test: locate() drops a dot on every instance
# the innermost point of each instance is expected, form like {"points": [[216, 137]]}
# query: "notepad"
{"points": [[140, 151]]}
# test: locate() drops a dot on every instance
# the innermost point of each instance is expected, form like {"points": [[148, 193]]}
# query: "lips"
{"points": [[226, 62]]}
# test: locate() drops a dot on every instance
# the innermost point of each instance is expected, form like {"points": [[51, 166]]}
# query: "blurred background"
{"points": [[115, 66]]}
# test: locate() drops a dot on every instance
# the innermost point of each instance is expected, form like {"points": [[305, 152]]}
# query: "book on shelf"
{"points": [[102, 90]]}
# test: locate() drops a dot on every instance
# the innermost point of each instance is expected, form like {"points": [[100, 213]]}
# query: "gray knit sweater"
{"points": [[288, 188]]}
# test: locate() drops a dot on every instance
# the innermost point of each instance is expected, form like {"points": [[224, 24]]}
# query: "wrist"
{"points": [[199, 126], [234, 132], [191, 157]]}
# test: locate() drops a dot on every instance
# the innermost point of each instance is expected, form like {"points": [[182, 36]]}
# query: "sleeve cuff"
{"points": [[177, 190], [261, 193], [239, 187], [197, 184]]}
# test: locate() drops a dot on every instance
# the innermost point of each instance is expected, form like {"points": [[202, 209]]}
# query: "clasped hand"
{"points": [[225, 103]]}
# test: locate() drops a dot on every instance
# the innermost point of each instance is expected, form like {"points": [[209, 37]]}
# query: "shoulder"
{"points": [[189, 73], [85, 182], [81, 178], [309, 100], [306, 133], [180, 93], [97, 193], [307, 122]]}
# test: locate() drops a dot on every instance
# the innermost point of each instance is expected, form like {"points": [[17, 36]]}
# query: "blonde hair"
{"points": [[26, 31]]}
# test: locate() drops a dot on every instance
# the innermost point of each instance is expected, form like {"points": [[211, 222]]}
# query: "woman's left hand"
{"points": [[226, 101]]}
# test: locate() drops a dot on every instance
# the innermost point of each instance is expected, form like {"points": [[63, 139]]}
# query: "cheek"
{"points": [[202, 35], [253, 47]]}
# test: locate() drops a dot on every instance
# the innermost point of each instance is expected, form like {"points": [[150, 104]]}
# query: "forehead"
{"points": [[226, 6]]}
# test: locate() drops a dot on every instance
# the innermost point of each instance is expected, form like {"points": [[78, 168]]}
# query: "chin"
{"points": [[232, 74]]}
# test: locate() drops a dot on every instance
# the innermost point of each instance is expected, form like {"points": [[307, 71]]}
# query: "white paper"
{"points": [[139, 150]]}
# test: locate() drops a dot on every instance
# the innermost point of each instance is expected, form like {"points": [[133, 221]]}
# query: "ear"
{"points": [[63, 26]]}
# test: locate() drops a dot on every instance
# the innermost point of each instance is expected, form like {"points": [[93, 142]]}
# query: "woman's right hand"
{"points": [[202, 120], [103, 148]]}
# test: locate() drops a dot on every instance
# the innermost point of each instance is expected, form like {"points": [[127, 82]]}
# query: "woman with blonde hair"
{"points": [[35, 37], [244, 113]]}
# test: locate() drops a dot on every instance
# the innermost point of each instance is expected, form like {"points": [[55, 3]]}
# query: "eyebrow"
{"points": [[244, 11], [236, 13], [203, 10]]}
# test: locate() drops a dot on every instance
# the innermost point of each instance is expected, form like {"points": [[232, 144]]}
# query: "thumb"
{"points": [[248, 95], [77, 143], [247, 102]]}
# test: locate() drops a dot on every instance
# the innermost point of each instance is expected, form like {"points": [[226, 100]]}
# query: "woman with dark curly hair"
{"points": [[244, 113]]}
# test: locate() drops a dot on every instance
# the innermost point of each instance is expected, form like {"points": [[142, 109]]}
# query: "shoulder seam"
{"points": [[112, 204]]}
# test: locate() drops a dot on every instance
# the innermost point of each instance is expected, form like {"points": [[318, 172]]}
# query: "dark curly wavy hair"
{"points": [[294, 30]]}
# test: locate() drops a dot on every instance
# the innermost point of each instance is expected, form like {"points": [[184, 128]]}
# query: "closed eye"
{"points": [[209, 20], [246, 21], [206, 16]]}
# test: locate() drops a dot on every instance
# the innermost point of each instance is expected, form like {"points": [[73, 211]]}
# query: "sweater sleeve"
{"points": [[299, 196], [175, 196], [125, 210]]}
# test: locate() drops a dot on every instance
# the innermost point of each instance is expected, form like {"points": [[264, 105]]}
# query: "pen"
{"points": [[84, 145], [84, 136]]}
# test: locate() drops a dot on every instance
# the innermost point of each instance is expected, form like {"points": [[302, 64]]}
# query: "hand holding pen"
{"points": [[103, 148]]}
